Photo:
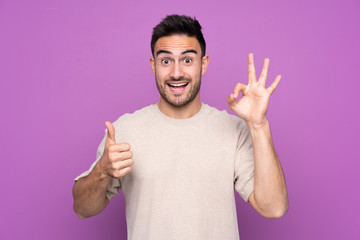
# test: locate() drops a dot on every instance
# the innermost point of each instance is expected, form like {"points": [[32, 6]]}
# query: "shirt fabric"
{"points": [[184, 174]]}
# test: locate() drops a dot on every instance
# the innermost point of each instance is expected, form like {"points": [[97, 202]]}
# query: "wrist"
{"points": [[255, 126], [101, 173]]}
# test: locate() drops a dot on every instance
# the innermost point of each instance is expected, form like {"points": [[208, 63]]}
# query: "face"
{"points": [[178, 67]]}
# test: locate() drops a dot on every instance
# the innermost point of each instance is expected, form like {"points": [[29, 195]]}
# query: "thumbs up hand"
{"points": [[117, 158]]}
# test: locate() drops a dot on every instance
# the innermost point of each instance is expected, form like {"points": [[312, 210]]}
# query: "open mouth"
{"points": [[177, 86]]}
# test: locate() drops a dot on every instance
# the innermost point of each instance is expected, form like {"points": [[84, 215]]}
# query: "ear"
{"points": [[204, 64], [152, 63]]}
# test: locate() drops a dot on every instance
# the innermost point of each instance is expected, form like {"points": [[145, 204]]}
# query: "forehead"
{"points": [[177, 43]]}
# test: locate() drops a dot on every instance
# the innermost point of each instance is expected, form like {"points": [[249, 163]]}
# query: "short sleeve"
{"points": [[115, 185], [244, 163]]}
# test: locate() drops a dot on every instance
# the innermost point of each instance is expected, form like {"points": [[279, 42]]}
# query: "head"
{"points": [[178, 25], [179, 60]]}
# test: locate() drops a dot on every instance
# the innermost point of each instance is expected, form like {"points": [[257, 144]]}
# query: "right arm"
{"points": [[90, 192]]}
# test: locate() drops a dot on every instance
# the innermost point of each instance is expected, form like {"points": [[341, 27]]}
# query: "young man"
{"points": [[179, 161]]}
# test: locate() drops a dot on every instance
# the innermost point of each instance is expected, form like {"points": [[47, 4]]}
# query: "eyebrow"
{"points": [[168, 52]]}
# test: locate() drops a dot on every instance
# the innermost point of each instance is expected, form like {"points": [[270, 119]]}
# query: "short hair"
{"points": [[176, 24]]}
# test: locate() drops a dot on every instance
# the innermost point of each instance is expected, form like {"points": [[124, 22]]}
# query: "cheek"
{"points": [[160, 74], [195, 73], [196, 70]]}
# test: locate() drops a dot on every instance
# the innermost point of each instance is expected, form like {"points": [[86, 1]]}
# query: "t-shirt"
{"points": [[184, 174]]}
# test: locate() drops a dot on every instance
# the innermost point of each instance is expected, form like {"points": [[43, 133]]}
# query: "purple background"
{"points": [[68, 66]]}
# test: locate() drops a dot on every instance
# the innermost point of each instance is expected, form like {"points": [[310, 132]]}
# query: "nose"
{"points": [[177, 71]]}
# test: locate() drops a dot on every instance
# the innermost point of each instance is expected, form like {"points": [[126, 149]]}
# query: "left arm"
{"points": [[269, 197]]}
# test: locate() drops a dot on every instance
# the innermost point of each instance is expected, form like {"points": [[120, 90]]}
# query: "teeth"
{"points": [[178, 85]]}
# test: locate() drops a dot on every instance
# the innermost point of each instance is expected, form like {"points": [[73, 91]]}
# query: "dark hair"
{"points": [[176, 24]]}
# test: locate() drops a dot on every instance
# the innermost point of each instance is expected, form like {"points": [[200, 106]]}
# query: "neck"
{"points": [[182, 112]]}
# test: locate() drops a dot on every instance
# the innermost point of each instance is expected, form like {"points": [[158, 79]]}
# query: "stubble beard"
{"points": [[179, 103]]}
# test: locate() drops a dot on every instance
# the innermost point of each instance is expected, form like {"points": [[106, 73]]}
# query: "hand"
{"points": [[253, 104], [117, 158]]}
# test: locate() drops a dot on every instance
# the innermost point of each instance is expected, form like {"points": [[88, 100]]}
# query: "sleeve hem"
{"points": [[84, 174], [247, 190]]}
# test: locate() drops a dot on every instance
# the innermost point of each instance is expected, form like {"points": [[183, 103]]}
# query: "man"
{"points": [[179, 161]]}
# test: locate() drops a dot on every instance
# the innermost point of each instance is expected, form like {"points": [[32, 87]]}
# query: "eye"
{"points": [[165, 61], [187, 60]]}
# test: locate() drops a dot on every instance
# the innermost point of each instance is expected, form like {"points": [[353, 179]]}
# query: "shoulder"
{"points": [[135, 117], [224, 118], [132, 125]]}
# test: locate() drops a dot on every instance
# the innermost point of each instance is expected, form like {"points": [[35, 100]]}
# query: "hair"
{"points": [[176, 24]]}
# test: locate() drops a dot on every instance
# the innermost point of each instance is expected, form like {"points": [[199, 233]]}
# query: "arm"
{"points": [[90, 192], [269, 197]]}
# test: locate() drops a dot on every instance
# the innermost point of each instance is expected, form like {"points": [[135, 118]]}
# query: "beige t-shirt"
{"points": [[184, 174]]}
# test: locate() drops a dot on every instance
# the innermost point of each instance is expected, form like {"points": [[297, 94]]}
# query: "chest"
{"points": [[177, 154]]}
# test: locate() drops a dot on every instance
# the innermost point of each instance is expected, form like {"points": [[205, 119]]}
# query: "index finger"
{"points": [[120, 147]]}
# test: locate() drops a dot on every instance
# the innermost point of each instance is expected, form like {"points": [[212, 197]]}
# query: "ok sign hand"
{"points": [[252, 106]]}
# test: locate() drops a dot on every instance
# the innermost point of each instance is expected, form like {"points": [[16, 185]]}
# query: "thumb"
{"points": [[110, 139], [231, 99], [239, 87]]}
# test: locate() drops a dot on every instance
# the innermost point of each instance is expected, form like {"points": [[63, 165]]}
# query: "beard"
{"points": [[179, 102]]}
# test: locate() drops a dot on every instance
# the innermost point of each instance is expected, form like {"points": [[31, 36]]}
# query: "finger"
{"points": [[123, 164], [110, 139], [251, 68], [230, 99], [264, 71], [273, 86], [119, 147], [119, 156], [239, 87], [124, 147], [122, 172]]}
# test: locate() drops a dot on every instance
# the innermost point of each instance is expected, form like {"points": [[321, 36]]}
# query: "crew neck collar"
{"points": [[180, 120]]}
